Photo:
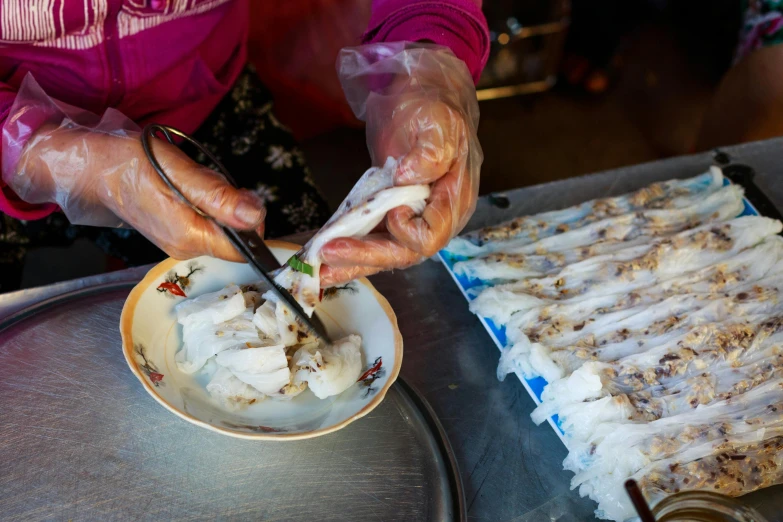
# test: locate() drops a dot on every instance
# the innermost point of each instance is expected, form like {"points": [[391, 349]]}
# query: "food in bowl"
{"points": [[259, 349]]}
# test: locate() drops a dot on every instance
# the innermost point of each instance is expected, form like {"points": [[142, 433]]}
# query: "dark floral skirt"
{"points": [[243, 133]]}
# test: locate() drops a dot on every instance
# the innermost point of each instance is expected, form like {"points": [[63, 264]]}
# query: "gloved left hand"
{"points": [[420, 105]]}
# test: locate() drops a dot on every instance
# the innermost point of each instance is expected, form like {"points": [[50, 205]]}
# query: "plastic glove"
{"points": [[97, 172], [420, 105]]}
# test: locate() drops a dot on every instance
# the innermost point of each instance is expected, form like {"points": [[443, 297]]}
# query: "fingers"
{"points": [[439, 157], [157, 212], [205, 238], [381, 252], [190, 236], [451, 202], [428, 233], [261, 229], [437, 132], [430, 158], [348, 258], [210, 191], [331, 276], [236, 208]]}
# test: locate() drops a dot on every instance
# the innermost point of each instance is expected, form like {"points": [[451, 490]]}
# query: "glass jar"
{"points": [[703, 506]]}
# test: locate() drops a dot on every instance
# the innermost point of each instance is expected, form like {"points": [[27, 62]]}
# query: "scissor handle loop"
{"points": [[167, 131]]}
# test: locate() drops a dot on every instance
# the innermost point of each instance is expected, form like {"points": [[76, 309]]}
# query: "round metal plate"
{"points": [[80, 439]]}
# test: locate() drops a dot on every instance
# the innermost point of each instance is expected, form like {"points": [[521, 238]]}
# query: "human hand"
{"points": [[426, 115], [105, 179]]}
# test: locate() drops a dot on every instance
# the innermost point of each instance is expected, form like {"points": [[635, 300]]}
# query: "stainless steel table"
{"points": [[511, 469]]}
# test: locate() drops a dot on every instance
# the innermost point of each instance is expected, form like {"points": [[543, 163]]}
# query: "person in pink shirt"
{"points": [[80, 78]]}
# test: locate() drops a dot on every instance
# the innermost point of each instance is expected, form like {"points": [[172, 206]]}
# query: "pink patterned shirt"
{"points": [[172, 61]]}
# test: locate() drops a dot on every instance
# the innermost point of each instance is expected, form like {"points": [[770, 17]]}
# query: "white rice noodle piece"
{"points": [[329, 370], [743, 269], [682, 312], [608, 451], [263, 359], [581, 419], [586, 383], [215, 307], [701, 467], [685, 252], [502, 267], [269, 383], [756, 457], [627, 332], [514, 359], [528, 229], [570, 358], [203, 339], [231, 392], [721, 205], [694, 353], [529, 360], [265, 319], [499, 304], [290, 331], [253, 299], [361, 211], [723, 380], [267, 369]]}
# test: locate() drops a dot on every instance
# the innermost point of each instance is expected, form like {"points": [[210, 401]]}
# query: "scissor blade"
{"points": [[256, 247], [263, 261]]}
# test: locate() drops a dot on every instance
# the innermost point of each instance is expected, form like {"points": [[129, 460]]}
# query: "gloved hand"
{"points": [[420, 105], [98, 174]]}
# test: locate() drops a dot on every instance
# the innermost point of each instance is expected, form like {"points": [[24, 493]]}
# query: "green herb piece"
{"points": [[299, 265]]}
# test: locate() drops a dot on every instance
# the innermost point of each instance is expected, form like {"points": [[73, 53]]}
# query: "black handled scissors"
{"points": [[247, 243]]}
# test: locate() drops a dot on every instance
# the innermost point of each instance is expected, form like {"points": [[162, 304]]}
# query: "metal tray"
{"points": [[81, 440]]}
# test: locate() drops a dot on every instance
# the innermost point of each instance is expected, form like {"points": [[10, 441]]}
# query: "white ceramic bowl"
{"points": [[151, 337]]}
